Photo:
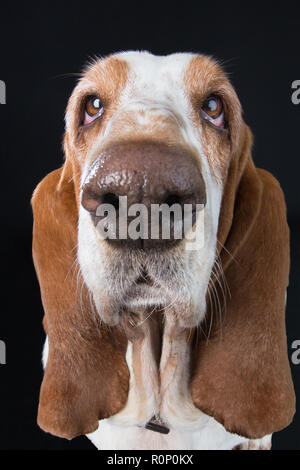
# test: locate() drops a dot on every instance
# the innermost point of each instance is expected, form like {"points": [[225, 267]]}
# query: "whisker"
{"points": [[212, 303], [145, 319], [218, 263], [75, 262], [220, 285], [228, 252], [74, 175], [66, 75]]}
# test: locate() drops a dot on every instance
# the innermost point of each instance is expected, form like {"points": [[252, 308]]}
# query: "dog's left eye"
{"points": [[93, 109], [213, 110]]}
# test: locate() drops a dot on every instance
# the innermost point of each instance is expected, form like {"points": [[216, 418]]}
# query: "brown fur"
{"points": [[203, 77], [241, 376], [86, 376]]}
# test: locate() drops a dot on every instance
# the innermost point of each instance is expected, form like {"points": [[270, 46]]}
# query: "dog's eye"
{"points": [[213, 110], [93, 109]]}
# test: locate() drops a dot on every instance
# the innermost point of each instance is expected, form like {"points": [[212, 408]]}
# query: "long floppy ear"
{"points": [[241, 374], [86, 376]]}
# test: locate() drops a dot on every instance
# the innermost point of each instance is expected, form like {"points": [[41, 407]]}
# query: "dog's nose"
{"points": [[151, 174]]}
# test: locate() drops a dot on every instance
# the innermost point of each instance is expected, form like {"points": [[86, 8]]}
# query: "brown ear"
{"points": [[86, 376], [241, 374]]}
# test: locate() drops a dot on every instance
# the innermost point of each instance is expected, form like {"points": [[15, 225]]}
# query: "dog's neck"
{"points": [[158, 359]]}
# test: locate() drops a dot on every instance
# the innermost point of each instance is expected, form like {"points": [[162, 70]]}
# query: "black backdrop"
{"points": [[38, 44]]}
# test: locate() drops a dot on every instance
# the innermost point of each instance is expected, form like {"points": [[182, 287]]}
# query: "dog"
{"points": [[153, 342]]}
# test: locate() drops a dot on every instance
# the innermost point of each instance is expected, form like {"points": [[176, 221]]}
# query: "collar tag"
{"points": [[153, 425]]}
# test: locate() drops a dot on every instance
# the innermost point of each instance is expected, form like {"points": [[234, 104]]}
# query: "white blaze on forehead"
{"points": [[153, 67], [155, 79]]}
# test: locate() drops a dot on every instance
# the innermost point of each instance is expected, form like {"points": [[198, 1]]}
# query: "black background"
{"points": [[38, 44]]}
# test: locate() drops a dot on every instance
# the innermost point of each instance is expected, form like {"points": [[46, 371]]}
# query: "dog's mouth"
{"points": [[144, 291], [139, 280], [144, 279]]}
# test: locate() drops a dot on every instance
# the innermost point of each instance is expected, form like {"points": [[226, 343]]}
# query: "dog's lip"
{"points": [[143, 291]]}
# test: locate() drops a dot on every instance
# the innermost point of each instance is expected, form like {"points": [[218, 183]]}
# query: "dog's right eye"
{"points": [[92, 110]]}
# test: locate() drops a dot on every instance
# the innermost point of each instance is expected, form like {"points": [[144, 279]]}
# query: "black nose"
{"points": [[146, 173]]}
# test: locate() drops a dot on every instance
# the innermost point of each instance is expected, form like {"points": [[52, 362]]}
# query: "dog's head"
{"points": [[167, 133], [150, 131]]}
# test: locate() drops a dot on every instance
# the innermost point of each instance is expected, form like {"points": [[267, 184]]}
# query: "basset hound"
{"points": [[151, 345]]}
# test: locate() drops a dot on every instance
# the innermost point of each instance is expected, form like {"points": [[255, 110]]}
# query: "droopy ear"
{"points": [[86, 376], [241, 374]]}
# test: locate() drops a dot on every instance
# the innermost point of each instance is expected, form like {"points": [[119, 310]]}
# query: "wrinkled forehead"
{"points": [[143, 76]]}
